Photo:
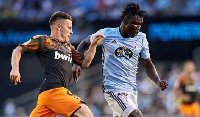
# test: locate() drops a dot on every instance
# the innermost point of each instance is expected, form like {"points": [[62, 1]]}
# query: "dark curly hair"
{"points": [[133, 9], [59, 15]]}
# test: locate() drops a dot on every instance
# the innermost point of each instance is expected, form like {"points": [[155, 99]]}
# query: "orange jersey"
{"points": [[188, 86]]}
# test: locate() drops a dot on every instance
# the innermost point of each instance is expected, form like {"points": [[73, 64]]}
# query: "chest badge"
{"points": [[123, 52]]}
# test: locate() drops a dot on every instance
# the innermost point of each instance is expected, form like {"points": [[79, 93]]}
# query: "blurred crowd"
{"points": [[90, 10], [151, 100]]}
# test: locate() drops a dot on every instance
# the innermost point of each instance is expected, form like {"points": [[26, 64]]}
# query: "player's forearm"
{"points": [[89, 55], [84, 45], [152, 73], [16, 55]]}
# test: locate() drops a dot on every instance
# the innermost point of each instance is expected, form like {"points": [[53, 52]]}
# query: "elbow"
{"points": [[85, 65], [18, 49], [15, 50]]}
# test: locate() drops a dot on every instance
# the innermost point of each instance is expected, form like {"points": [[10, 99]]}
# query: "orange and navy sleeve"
{"points": [[77, 57], [37, 43]]}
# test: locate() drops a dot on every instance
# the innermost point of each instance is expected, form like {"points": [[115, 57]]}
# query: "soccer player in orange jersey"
{"points": [[57, 56], [185, 88]]}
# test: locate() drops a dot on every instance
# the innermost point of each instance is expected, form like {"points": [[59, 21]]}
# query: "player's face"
{"points": [[133, 25], [66, 29], [189, 67]]}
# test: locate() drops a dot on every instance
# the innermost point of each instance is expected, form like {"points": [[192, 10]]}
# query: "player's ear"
{"points": [[125, 20], [58, 26]]}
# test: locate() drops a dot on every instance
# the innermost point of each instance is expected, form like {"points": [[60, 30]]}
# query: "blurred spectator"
{"points": [[20, 112], [9, 108], [36, 10], [170, 101], [185, 88]]}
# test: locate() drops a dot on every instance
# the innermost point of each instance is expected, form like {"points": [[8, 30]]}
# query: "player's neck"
{"points": [[56, 35], [122, 32]]}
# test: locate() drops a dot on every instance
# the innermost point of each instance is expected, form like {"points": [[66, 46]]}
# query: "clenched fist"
{"points": [[97, 39], [162, 84], [15, 76]]}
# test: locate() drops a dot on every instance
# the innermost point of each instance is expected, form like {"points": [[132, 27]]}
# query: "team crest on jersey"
{"points": [[123, 52]]}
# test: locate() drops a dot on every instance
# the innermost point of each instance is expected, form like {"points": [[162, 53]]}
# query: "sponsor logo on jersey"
{"points": [[114, 41], [123, 52], [63, 57]]}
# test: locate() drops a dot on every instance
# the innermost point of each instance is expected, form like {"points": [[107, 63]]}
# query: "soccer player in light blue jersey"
{"points": [[123, 46]]}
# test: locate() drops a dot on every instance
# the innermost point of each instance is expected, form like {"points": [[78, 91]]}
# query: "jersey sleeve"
{"points": [[101, 31], [145, 48], [77, 57], [37, 43]]}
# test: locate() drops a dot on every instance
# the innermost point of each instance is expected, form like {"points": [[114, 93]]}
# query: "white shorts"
{"points": [[121, 103]]}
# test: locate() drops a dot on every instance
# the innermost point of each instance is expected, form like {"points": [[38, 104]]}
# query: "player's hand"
{"points": [[162, 84], [76, 72], [97, 39], [15, 76]]}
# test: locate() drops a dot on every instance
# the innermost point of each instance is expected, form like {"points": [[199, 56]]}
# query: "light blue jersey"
{"points": [[120, 59]]}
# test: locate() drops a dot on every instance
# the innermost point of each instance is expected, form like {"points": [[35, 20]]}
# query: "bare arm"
{"points": [[82, 47], [150, 70], [16, 56], [152, 74], [89, 54]]}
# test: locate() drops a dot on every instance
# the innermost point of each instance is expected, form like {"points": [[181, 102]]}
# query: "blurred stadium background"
{"points": [[172, 28]]}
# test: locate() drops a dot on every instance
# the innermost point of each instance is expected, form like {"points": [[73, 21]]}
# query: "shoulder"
{"points": [[142, 38], [141, 35], [180, 77], [40, 37], [108, 30], [43, 40], [35, 39]]}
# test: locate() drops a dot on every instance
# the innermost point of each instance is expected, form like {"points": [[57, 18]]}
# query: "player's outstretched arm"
{"points": [[82, 47], [152, 73], [89, 54], [16, 56]]}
